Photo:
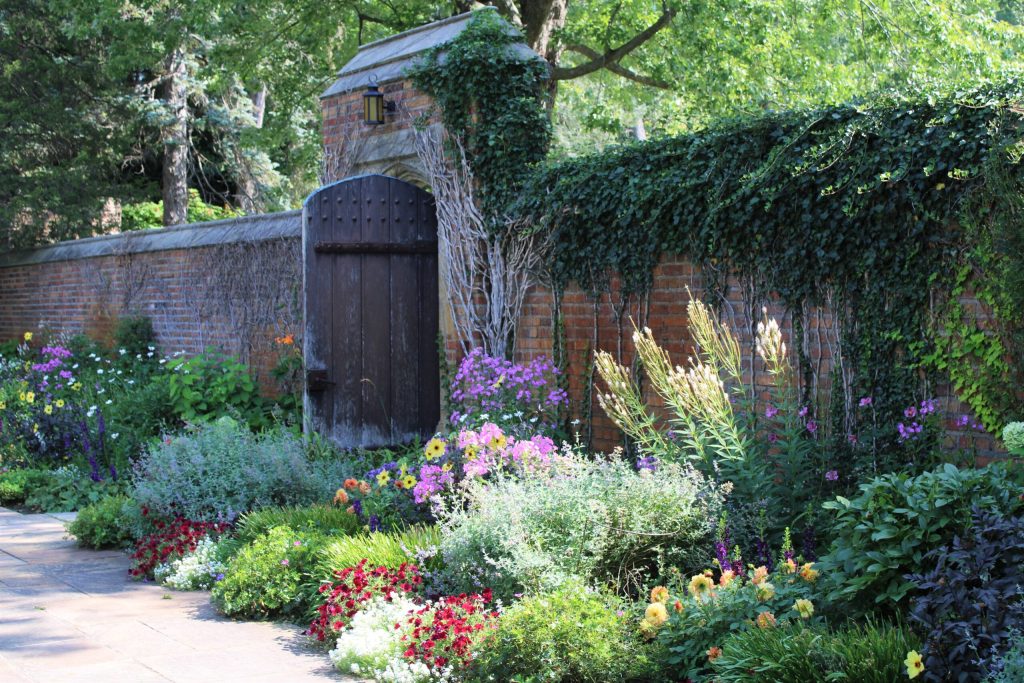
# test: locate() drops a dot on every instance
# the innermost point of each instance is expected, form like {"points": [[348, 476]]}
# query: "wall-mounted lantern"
{"points": [[374, 105]]}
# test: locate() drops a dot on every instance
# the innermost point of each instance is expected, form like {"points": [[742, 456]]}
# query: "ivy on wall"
{"points": [[860, 204], [489, 92]]}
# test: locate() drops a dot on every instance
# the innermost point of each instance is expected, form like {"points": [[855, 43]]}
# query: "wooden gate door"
{"points": [[371, 309]]}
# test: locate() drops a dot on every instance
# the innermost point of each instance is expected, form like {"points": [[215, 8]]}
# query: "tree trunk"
{"points": [[540, 20], [247, 188], [174, 137]]}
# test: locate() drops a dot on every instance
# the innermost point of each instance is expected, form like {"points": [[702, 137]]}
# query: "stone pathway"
{"points": [[68, 614]]}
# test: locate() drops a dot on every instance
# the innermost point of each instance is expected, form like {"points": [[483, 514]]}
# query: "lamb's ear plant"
{"points": [[1013, 437]]}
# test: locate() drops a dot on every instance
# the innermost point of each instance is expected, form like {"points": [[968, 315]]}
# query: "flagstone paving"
{"points": [[69, 614]]}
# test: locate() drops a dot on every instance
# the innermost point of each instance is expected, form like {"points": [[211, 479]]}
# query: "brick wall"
{"points": [[170, 276]]}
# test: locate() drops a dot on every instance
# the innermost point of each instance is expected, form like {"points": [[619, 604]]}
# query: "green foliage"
{"points": [[14, 485], [135, 334], [213, 385], [600, 522], [489, 96], [1012, 664], [572, 633], [866, 653], [1013, 437], [390, 549], [216, 471], [328, 520], [267, 577], [145, 215], [103, 524], [701, 615], [854, 202], [65, 489], [885, 533]]}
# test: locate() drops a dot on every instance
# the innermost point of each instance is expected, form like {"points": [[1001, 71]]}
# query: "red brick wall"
{"points": [[88, 295], [343, 115]]}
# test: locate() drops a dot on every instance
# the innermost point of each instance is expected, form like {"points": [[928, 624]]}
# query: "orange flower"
{"points": [[659, 594], [808, 573], [350, 484], [351, 509], [714, 653], [760, 574], [286, 340], [677, 605], [726, 578], [364, 488], [766, 620], [340, 497]]}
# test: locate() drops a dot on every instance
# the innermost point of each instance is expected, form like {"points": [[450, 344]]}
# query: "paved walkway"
{"points": [[69, 614]]}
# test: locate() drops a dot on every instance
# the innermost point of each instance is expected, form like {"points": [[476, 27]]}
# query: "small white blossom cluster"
{"points": [[196, 571], [371, 639]]}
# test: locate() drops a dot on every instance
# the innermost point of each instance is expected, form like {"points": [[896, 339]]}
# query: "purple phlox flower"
{"points": [[772, 437], [803, 411], [770, 411], [297, 543], [963, 421], [812, 426], [910, 411], [865, 402], [832, 475], [284, 562], [928, 406], [852, 438]]}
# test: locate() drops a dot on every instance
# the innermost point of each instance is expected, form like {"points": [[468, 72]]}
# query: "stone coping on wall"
{"points": [[245, 229]]}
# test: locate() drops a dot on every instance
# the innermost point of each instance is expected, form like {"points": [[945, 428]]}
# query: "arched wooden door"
{"points": [[371, 309]]}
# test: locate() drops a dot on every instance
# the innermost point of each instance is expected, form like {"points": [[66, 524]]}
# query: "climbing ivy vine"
{"points": [[864, 206], [489, 87]]}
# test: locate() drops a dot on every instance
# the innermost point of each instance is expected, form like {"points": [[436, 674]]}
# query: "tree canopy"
{"points": [[140, 100]]}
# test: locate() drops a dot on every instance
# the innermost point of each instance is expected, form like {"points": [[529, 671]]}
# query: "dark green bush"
{"points": [[135, 335], [214, 385], [573, 634], [866, 653], [268, 577], [65, 489], [103, 524], [885, 533]]}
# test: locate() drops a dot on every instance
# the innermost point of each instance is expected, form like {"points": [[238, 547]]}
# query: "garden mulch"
{"points": [[69, 614]]}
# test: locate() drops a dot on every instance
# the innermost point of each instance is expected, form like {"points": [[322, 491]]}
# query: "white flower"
{"points": [[151, 348], [100, 371], [162, 361], [75, 366], [371, 640], [149, 355], [115, 435], [138, 356], [122, 351], [109, 401], [131, 381], [91, 411]]}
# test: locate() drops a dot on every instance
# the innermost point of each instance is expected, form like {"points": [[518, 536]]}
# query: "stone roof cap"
{"points": [[386, 60]]}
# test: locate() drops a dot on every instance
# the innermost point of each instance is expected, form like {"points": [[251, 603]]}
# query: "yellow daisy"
{"points": [[30, 397], [470, 452], [60, 403], [383, 477], [498, 442], [408, 481], [915, 664], [435, 449], [48, 409]]}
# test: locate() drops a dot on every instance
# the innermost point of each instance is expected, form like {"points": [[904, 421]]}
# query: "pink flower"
{"points": [[770, 411], [284, 562], [812, 426], [832, 475], [865, 402]]}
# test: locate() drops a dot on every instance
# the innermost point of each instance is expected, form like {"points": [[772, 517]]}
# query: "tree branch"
{"points": [[619, 70], [610, 57]]}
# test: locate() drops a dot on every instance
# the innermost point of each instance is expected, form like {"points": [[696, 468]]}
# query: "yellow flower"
{"points": [[446, 467], [48, 409], [915, 664], [383, 477], [340, 497], [408, 481], [3, 405], [805, 608], [647, 629], [498, 383], [35, 427], [700, 585], [498, 442], [765, 592], [807, 573], [659, 594], [789, 566], [765, 620], [656, 614], [760, 574], [28, 336], [435, 449], [60, 403], [77, 386], [470, 452], [30, 397]]}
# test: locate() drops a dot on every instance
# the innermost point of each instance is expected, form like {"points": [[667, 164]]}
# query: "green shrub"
{"points": [[323, 519], [572, 633], [103, 524], [1011, 664], [267, 578], [390, 549], [213, 385], [65, 489], [14, 485], [217, 471], [601, 522], [884, 533], [135, 335], [867, 653]]}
